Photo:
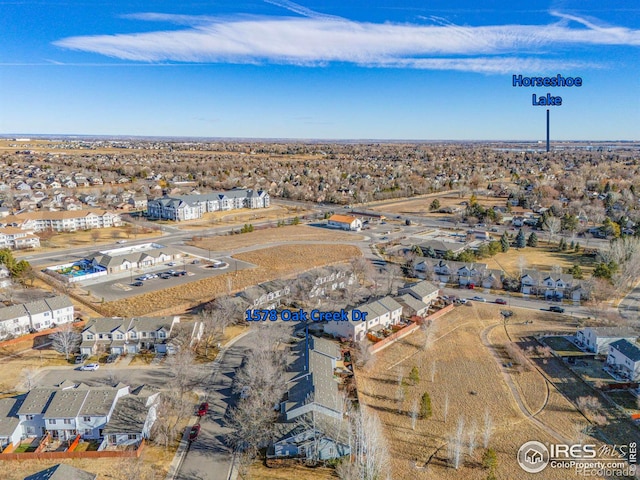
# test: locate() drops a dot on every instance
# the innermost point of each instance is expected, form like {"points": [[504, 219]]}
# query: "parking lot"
{"points": [[138, 281]]}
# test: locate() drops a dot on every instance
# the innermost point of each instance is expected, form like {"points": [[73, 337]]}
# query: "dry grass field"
{"points": [[541, 258], [420, 206], [288, 234], [153, 464], [258, 471], [474, 380], [272, 263], [274, 213]]}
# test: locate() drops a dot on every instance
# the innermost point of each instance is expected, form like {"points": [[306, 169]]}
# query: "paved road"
{"points": [[629, 307], [208, 457]]}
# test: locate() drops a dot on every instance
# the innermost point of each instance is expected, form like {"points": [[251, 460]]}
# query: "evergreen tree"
{"points": [[577, 247], [425, 406], [504, 242], [572, 245], [414, 375], [520, 240], [532, 241]]}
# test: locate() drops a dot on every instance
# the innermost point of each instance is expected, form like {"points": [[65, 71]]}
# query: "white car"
{"points": [[478, 299], [91, 367]]}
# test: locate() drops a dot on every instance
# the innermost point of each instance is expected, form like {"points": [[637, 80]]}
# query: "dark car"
{"points": [[193, 433], [203, 409], [137, 284], [555, 308], [501, 301]]}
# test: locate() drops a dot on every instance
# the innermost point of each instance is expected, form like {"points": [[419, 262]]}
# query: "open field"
{"points": [[562, 346], [541, 258], [420, 206], [272, 263], [258, 471], [97, 237], [14, 364], [473, 379], [241, 216], [288, 234]]}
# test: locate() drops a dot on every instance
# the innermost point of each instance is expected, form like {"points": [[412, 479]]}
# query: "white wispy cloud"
{"points": [[318, 40]]}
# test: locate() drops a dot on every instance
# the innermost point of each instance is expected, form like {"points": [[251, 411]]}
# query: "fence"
{"points": [[407, 330], [59, 455]]}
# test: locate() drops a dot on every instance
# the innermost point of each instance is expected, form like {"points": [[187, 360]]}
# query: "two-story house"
{"points": [[598, 339], [127, 335], [380, 313], [624, 359], [35, 316]]}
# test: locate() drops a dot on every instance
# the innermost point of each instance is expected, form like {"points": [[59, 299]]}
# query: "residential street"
{"points": [[208, 458]]}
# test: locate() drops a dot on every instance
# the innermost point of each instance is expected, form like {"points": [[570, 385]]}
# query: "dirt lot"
{"points": [[288, 234], [541, 258], [274, 262], [472, 377]]}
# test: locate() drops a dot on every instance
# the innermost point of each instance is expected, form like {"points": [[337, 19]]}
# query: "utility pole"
{"points": [[547, 130]]}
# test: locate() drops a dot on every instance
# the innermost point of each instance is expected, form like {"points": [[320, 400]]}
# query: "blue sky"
{"points": [[379, 69]]}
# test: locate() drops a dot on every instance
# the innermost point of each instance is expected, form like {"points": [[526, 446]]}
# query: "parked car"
{"points": [[478, 299], [112, 358], [501, 301], [557, 309], [91, 367], [196, 261], [203, 409], [121, 241], [81, 358], [138, 283], [165, 276], [194, 432], [171, 264]]}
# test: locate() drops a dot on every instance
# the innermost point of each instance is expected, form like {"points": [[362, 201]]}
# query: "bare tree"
{"points": [[370, 453], [456, 445], [434, 368], [487, 428], [445, 407], [552, 225], [66, 340], [364, 357], [29, 375], [415, 411], [471, 436]]}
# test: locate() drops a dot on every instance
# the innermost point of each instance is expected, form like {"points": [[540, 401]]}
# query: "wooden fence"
{"points": [[59, 455]]}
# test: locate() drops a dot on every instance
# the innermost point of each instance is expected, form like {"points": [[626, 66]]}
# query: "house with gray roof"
{"points": [[133, 417], [37, 315], [62, 471], [624, 359], [10, 429], [31, 412], [424, 291], [598, 339], [314, 425], [380, 313], [122, 336], [411, 306]]}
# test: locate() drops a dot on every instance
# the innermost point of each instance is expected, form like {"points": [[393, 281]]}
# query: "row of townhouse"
{"points": [[190, 207], [532, 282], [313, 408], [624, 359], [462, 273], [413, 299], [35, 316], [117, 415], [18, 239], [122, 336], [65, 221]]}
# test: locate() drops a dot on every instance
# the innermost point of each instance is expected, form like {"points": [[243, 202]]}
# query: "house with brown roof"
{"points": [[345, 222]]}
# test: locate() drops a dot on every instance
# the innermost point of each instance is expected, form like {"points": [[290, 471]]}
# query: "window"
{"points": [[52, 421], [16, 320], [119, 336], [86, 419], [67, 421], [132, 436], [87, 431], [89, 336], [29, 417]]}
